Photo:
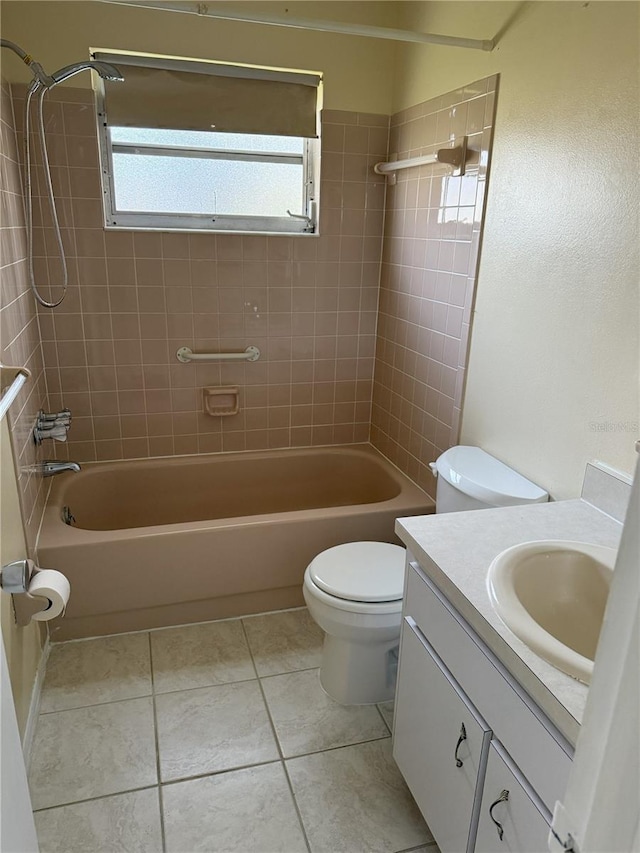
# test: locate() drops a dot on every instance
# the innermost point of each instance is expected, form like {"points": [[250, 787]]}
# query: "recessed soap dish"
{"points": [[221, 402]]}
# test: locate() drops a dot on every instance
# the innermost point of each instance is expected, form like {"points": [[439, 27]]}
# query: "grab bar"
{"points": [[16, 376], [186, 354], [456, 157]]}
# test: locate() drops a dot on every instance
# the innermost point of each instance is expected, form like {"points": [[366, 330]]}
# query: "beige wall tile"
{"points": [[429, 258], [19, 332]]}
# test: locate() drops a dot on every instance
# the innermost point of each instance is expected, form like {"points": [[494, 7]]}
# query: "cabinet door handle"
{"points": [[463, 736], [504, 796]]}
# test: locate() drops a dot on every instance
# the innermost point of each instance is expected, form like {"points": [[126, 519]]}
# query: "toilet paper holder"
{"points": [[15, 579]]}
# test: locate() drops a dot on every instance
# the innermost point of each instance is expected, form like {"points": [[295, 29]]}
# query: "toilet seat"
{"points": [[358, 609], [367, 573]]}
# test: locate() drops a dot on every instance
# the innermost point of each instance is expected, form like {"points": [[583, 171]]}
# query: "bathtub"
{"points": [[158, 542]]}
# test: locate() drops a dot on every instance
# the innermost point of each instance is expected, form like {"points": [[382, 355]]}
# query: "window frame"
{"points": [[293, 224]]}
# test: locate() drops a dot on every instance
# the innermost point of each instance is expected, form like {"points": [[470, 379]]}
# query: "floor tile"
{"points": [[92, 752], [284, 642], [124, 823], [307, 720], [354, 800], [93, 671], [386, 709], [212, 729], [237, 812], [200, 656]]}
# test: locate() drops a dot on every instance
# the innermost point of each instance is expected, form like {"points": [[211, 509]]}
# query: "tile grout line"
{"points": [[180, 625], [157, 745], [96, 705], [295, 805], [334, 748], [148, 696], [224, 772], [264, 698], [170, 692], [94, 799], [275, 735], [214, 773], [384, 720]]}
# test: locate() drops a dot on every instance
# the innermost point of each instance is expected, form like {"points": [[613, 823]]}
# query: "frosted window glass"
{"points": [[201, 139], [201, 186]]}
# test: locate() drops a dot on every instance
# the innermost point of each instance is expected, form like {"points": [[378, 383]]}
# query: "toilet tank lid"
{"points": [[481, 476], [360, 571]]}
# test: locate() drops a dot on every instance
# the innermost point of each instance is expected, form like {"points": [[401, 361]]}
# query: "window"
{"points": [[205, 149]]}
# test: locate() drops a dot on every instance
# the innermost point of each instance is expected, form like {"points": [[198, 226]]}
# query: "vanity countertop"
{"points": [[456, 549]]}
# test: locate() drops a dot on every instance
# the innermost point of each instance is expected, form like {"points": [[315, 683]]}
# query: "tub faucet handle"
{"points": [[47, 426], [54, 425], [64, 415], [57, 432]]}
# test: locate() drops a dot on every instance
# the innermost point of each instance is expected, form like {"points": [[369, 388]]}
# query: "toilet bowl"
{"points": [[354, 593]]}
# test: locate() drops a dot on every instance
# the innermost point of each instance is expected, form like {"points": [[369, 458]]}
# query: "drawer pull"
{"points": [[504, 796], [463, 736]]}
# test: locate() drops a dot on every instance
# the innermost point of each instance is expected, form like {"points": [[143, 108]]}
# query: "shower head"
{"points": [[104, 69]]}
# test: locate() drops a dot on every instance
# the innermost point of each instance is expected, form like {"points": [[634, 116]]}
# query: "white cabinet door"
{"points": [[513, 822], [440, 743], [17, 827]]}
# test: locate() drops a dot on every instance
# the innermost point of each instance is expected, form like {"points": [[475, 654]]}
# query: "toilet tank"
{"points": [[469, 478]]}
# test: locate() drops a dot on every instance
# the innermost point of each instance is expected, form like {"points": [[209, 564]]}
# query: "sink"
{"points": [[552, 595]]}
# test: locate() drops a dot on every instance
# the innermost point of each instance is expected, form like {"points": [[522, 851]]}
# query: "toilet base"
{"points": [[358, 673]]}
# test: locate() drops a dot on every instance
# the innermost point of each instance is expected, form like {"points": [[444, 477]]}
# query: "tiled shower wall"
{"points": [[431, 250], [309, 304], [19, 336]]}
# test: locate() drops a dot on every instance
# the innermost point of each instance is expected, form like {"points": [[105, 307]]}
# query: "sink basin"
{"points": [[552, 595]]}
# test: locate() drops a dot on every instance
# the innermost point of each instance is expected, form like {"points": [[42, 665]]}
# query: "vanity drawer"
{"points": [[539, 751]]}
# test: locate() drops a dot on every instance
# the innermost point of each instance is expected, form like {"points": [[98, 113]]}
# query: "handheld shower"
{"points": [[40, 85], [104, 69]]}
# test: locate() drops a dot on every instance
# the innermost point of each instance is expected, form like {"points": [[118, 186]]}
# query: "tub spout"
{"points": [[51, 467]]}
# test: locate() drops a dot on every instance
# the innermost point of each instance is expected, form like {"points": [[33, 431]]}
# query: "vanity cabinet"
{"points": [[441, 761], [448, 678]]}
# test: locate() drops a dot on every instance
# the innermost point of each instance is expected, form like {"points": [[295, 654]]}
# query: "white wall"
{"points": [[553, 371], [357, 70]]}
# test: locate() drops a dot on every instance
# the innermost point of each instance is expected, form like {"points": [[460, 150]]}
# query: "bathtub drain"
{"points": [[67, 517]]}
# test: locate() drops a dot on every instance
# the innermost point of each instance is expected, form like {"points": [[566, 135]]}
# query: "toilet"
{"points": [[354, 591]]}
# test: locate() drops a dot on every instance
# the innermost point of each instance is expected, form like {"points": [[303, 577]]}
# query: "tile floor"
{"points": [[213, 737]]}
